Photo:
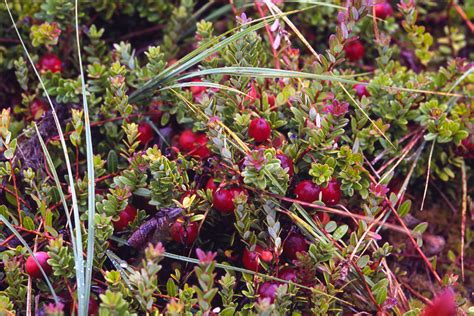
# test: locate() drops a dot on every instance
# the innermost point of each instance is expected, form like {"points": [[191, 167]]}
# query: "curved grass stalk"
{"points": [[203, 52], [78, 256], [84, 303], [25, 244], [52, 168], [265, 73]]}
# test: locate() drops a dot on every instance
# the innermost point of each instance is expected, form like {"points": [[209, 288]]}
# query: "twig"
{"points": [[427, 175], [2, 187], [464, 16], [17, 197], [463, 214], [415, 293], [9, 41]]}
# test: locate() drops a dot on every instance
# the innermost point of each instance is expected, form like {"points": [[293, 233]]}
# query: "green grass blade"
{"points": [[123, 267], [265, 73], [84, 297], [202, 84], [193, 58], [20, 238]]}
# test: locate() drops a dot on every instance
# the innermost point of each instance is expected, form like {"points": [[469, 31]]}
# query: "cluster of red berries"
{"points": [[308, 191], [194, 144]]}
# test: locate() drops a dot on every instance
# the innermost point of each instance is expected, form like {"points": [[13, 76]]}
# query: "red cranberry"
{"points": [[361, 90], [265, 255], [307, 191], [211, 184], [195, 143], [145, 133], [286, 162], [50, 62], [186, 140], [222, 200], [201, 150], [288, 274], [331, 195], [125, 218], [32, 267], [268, 290], [294, 243], [37, 109], [251, 259], [197, 90], [354, 50], [183, 233], [260, 130], [383, 10]]}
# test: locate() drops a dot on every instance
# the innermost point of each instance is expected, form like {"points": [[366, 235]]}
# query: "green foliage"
{"points": [[61, 258], [6, 306], [145, 281], [45, 34], [15, 281], [104, 230], [417, 34], [113, 304], [263, 170], [419, 85], [21, 72], [165, 178]]}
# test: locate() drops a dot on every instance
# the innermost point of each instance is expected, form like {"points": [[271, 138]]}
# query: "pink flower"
{"points": [[52, 308], [379, 190], [205, 257], [256, 159], [337, 108]]}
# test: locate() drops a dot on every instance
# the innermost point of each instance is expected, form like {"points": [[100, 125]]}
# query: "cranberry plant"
{"points": [[236, 157]]}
